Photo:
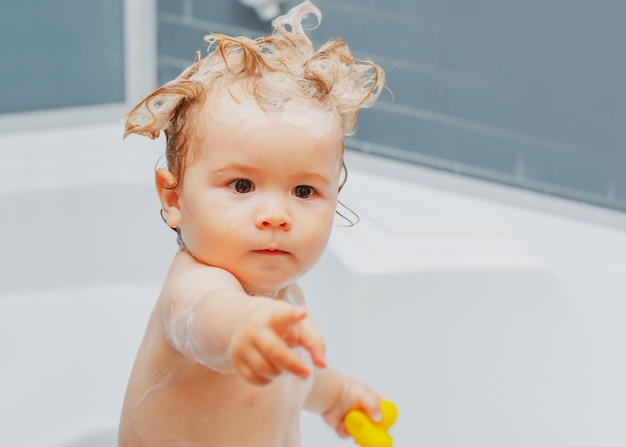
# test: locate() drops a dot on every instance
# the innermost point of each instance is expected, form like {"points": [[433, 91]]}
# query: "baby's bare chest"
{"points": [[242, 415], [196, 404]]}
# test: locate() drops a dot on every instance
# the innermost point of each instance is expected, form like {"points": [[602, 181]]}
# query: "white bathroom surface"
{"points": [[66, 358], [491, 316]]}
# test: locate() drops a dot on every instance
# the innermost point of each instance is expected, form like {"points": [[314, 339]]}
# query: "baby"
{"points": [[255, 140]]}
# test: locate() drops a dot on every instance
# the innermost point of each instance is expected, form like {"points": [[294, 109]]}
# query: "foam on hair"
{"points": [[272, 70]]}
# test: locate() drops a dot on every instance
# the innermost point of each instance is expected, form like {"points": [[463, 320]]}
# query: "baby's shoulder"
{"points": [[188, 274]]}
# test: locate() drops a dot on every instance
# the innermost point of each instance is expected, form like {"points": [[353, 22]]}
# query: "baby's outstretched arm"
{"points": [[209, 318], [260, 344], [334, 395]]}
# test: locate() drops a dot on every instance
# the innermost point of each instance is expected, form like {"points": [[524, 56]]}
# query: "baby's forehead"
{"points": [[239, 109]]}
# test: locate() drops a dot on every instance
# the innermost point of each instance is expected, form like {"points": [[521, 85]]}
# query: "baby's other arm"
{"points": [[209, 318], [334, 395]]}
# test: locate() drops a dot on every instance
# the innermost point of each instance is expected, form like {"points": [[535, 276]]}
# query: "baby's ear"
{"points": [[169, 196]]}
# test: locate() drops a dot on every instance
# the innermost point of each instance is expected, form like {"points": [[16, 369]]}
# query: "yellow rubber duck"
{"points": [[368, 433]]}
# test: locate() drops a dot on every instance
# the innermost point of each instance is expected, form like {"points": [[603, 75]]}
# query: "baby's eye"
{"points": [[303, 191], [241, 185]]}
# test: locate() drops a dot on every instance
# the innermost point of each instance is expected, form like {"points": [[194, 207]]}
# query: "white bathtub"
{"points": [[489, 324]]}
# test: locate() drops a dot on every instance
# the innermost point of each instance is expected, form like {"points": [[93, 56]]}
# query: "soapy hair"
{"points": [[273, 70]]}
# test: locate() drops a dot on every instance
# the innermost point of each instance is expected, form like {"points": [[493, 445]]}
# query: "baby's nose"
{"points": [[274, 215]]}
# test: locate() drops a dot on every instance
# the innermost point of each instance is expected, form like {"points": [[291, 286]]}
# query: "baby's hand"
{"points": [[259, 348], [354, 396]]}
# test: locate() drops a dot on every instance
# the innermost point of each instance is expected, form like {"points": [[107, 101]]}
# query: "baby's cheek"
{"points": [[315, 247], [231, 226]]}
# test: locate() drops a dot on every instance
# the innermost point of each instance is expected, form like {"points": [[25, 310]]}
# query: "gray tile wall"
{"points": [[62, 53], [528, 93]]}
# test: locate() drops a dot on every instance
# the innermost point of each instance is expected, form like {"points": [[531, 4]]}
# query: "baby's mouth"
{"points": [[271, 252]]}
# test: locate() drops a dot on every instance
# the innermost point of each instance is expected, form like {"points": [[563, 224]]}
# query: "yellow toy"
{"points": [[368, 433]]}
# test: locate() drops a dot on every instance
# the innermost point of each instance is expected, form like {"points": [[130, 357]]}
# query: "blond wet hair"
{"points": [[272, 70]]}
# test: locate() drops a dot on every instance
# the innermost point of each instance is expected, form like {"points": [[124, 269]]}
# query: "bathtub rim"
{"points": [[485, 189]]}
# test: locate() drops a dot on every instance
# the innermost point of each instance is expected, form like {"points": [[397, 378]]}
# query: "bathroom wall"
{"points": [[526, 93], [59, 54]]}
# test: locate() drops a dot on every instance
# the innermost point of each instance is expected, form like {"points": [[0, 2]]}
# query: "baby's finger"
{"points": [[297, 330], [342, 431], [334, 419], [262, 366], [286, 360], [286, 315], [311, 340], [251, 376], [371, 404]]}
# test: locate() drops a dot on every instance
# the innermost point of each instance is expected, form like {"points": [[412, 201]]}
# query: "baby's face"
{"points": [[259, 197]]}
